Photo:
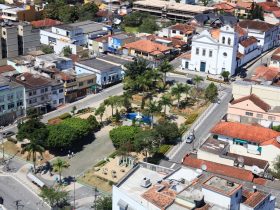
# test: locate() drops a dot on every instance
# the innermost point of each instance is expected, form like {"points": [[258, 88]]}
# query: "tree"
{"points": [[152, 109], [47, 49], [58, 166], [197, 80], [103, 203], [134, 19], [93, 123], [112, 101], [166, 102], [168, 131], [148, 25], [164, 68], [225, 75], [88, 11], [177, 92], [33, 148], [100, 111], [67, 51], [256, 12], [68, 13], [187, 89], [55, 197], [123, 134], [211, 92]]}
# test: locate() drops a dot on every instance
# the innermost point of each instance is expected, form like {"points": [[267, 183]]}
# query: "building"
{"points": [[118, 41], [147, 49], [86, 84], [266, 34], [171, 10], [252, 109], [249, 140], [242, 9], [7, 71], [53, 61], [40, 91], [150, 186], [74, 35], [12, 101], [99, 45], [17, 39], [26, 13], [106, 72], [213, 52], [45, 23], [275, 59], [184, 32]]}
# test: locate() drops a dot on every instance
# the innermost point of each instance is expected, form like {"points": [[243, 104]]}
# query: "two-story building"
{"points": [[53, 61], [118, 41], [12, 101], [25, 13]]}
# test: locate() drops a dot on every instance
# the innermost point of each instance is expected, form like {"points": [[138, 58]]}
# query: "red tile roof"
{"points": [[269, 6], [7, 68], [237, 130], [249, 41], [276, 13], [32, 80], [224, 170], [239, 30], [266, 73], [276, 54], [45, 23], [147, 46], [253, 198], [225, 6], [255, 99], [256, 25], [103, 38], [185, 28], [175, 42], [244, 5], [186, 55], [215, 33]]}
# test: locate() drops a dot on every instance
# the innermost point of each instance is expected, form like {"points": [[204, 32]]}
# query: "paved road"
{"points": [[11, 190]]}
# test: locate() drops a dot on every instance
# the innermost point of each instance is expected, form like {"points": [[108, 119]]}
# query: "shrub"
{"points": [[11, 139], [123, 134], [163, 149], [111, 183], [100, 163], [65, 116], [113, 155], [276, 128], [191, 118]]}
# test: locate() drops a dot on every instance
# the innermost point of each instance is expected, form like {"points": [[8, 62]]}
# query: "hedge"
{"points": [[100, 163], [65, 116]]}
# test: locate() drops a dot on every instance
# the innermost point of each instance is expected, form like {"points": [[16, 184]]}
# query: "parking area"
{"points": [[17, 196]]}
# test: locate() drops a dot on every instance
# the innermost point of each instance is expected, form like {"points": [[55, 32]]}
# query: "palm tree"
{"points": [[177, 92], [187, 90], [100, 111], [32, 148], [165, 101], [111, 101], [59, 165], [164, 68], [152, 109], [197, 80]]}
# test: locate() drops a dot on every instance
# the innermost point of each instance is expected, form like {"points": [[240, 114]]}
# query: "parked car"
{"points": [[8, 134], [190, 138], [189, 81]]}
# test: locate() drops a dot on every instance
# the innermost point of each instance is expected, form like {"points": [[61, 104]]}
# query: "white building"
{"points": [[213, 53], [181, 31]]}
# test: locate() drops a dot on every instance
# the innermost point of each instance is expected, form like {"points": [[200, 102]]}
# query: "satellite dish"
{"points": [[256, 170], [278, 139], [203, 167]]}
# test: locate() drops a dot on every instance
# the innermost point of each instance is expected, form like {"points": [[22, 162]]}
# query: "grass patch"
{"points": [[97, 182], [131, 29], [100, 163], [163, 149]]}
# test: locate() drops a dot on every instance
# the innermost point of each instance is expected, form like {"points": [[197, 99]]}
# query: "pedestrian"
{"points": [[72, 154], [68, 156]]}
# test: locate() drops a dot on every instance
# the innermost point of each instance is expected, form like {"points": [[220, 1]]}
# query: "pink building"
{"points": [[252, 109]]}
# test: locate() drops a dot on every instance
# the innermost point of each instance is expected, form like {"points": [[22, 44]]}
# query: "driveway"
{"points": [[92, 153]]}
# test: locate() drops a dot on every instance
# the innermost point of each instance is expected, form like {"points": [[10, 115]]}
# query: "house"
{"points": [[45, 23], [213, 51], [214, 20], [249, 140], [86, 84], [265, 33], [106, 72], [178, 31], [40, 91], [252, 109], [150, 186], [226, 7], [242, 9], [117, 42], [98, 45], [275, 58], [26, 13], [12, 101], [171, 10], [74, 35], [147, 49], [7, 71]]}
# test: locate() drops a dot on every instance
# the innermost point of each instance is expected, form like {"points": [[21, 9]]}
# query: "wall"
{"points": [[213, 197], [57, 94]]}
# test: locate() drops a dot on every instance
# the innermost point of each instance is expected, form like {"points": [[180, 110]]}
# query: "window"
{"points": [[197, 51], [249, 113], [46, 89], [19, 103], [81, 84], [61, 100], [11, 105], [223, 40], [60, 90], [54, 102], [19, 94], [210, 53], [186, 65], [30, 93], [174, 31], [42, 98], [54, 92], [2, 108], [225, 54], [271, 117], [203, 52], [104, 79], [109, 79], [259, 116], [90, 81], [10, 97], [42, 90], [2, 98], [34, 92], [181, 32], [229, 41]]}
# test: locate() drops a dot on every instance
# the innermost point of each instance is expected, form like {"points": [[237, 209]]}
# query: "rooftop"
{"points": [[52, 57], [32, 81], [88, 26], [5, 83], [147, 46], [173, 6], [6, 68], [276, 54], [266, 73], [269, 6], [185, 28], [225, 6], [114, 59], [237, 130], [97, 64], [221, 185], [45, 23], [249, 41], [252, 199], [255, 99], [255, 25]]}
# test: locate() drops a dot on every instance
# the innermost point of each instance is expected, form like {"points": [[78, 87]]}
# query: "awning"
{"points": [[35, 179], [122, 204], [240, 141]]}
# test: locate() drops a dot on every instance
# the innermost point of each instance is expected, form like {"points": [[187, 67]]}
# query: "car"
{"points": [[190, 138], [189, 81], [8, 134]]}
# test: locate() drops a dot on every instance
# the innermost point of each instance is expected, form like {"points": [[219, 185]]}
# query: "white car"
{"points": [[190, 138]]}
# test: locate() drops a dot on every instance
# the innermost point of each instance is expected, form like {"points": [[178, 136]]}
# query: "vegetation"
{"points": [[276, 168], [67, 51], [177, 91], [165, 101], [211, 92], [225, 75], [256, 12], [55, 197], [164, 68], [103, 203], [100, 111], [276, 128], [197, 80], [168, 131], [58, 166], [123, 134], [65, 116], [152, 109], [47, 49]]}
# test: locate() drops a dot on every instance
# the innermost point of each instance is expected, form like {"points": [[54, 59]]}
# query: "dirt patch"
{"points": [[92, 180]]}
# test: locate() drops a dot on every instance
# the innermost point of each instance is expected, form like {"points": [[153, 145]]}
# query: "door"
{"points": [[202, 66]]}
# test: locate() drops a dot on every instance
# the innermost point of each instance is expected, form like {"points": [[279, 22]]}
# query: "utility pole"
{"points": [[95, 197], [74, 193], [2, 139]]}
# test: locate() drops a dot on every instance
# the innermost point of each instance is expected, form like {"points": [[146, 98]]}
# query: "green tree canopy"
{"points": [[134, 19], [58, 166], [55, 197], [211, 92], [164, 68], [67, 51], [88, 11], [32, 148], [147, 140], [103, 203], [168, 131], [100, 111], [256, 12], [225, 75], [177, 91], [123, 134], [93, 123], [149, 25]]}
